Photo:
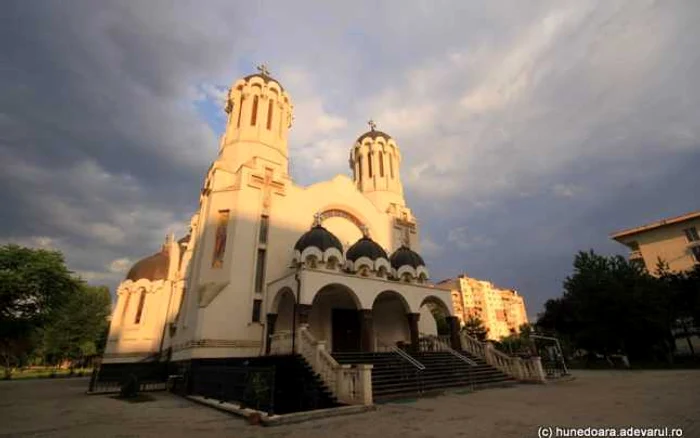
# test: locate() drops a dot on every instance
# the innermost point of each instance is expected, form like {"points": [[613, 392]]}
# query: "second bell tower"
{"points": [[259, 117]]}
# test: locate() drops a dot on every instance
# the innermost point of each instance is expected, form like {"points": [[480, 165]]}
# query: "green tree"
{"points": [[77, 330], [610, 305], [475, 328], [33, 284]]}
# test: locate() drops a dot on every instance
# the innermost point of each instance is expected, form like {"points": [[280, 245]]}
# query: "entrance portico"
{"points": [[351, 313]]}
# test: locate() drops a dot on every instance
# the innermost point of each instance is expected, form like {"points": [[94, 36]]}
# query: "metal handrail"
{"points": [[405, 356]]}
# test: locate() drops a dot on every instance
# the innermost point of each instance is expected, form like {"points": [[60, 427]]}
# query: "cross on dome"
{"points": [[372, 124], [262, 68], [365, 230], [317, 219]]}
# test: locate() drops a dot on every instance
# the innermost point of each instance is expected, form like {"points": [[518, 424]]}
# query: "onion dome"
{"points": [[365, 247], [373, 133], [320, 238], [405, 256], [264, 74], [151, 268]]}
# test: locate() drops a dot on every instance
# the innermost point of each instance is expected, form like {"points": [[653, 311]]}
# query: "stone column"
{"points": [[413, 329], [271, 320], [366, 330], [303, 312], [365, 383], [453, 325]]}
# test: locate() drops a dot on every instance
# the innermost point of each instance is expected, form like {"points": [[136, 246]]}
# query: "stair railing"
{"points": [[416, 366], [349, 384], [281, 343], [441, 343], [528, 370]]}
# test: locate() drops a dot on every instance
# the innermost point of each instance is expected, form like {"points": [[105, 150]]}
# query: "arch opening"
{"points": [[433, 317], [389, 321], [335, 318]]}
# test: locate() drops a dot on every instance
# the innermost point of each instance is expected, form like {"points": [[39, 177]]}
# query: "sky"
{"points": [[529, 130]]}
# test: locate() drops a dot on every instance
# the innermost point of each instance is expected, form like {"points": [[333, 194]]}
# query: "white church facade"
{"points": [[264, 255]]}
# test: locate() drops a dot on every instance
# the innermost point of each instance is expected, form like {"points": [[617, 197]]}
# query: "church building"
{"points": [[264, 256]]}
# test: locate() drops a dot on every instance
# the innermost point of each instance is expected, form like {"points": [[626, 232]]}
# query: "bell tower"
{"points": [[375, 160], [259, 117]]}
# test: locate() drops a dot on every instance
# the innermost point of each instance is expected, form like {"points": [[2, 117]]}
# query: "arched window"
{"points": [[369, 164], [139, 310], [240, 111], [359, 167], [381, 164], [254, 116], [391, 167], [270, 108]]}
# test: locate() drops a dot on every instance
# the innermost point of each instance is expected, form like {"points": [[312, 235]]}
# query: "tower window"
{"points": [[257, 305], [240, 111], [270, 109], [381, 164], [264, 228], [391, 166], [369, 164], [359, 167], [260, 271], [254, 115], [139, 310]]}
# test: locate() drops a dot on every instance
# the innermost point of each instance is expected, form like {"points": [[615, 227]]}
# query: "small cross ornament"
{"points": [[317, 219], [372, 124], [262, 68], [365, 230]]}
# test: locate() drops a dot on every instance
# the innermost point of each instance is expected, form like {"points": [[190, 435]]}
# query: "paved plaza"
{"points": [[595, 398]]}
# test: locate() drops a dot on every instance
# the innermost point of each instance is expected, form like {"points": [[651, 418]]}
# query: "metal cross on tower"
{"points": [[372, 124], [317, 219], [262, 68]]}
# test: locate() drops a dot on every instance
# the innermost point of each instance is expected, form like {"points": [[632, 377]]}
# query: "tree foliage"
{"points": [[475, 328], [610, 305], [44, 308]]}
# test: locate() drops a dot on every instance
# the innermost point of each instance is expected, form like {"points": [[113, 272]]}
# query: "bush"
{"points": [[129, 387]]}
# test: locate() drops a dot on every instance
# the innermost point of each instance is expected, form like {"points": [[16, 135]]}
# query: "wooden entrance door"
{"points": [[346, 330]]}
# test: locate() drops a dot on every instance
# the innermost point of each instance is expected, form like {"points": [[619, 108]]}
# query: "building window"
{"points": [[240, 111], [257, 304], [220, 242], [696, 253], [691, 234], [264, 228], [359, 167], [270, 109], [381, 164], [254, 115], [260, 271], [369, 164], [139, 310], [391, 166]]}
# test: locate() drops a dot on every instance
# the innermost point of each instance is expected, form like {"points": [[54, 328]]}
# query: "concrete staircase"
{"points": [[393, 377]]}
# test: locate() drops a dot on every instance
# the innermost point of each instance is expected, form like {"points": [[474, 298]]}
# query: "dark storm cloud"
{"points": [[528, 131]]}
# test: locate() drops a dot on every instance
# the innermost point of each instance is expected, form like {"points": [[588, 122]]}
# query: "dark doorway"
{"points": [[346, 330]]}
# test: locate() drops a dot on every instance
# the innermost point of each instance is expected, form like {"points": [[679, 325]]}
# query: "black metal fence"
{"points": [[252, 387], [151, 376]]}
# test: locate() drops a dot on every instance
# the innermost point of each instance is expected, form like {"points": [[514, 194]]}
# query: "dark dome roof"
{"points": [[406, 256], [152, 268], [365, 247], [265, 78], [374, 134], [319, 237]]}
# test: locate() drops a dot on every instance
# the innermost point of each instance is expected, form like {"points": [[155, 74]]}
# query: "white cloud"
{"points": [[119, 266]]}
